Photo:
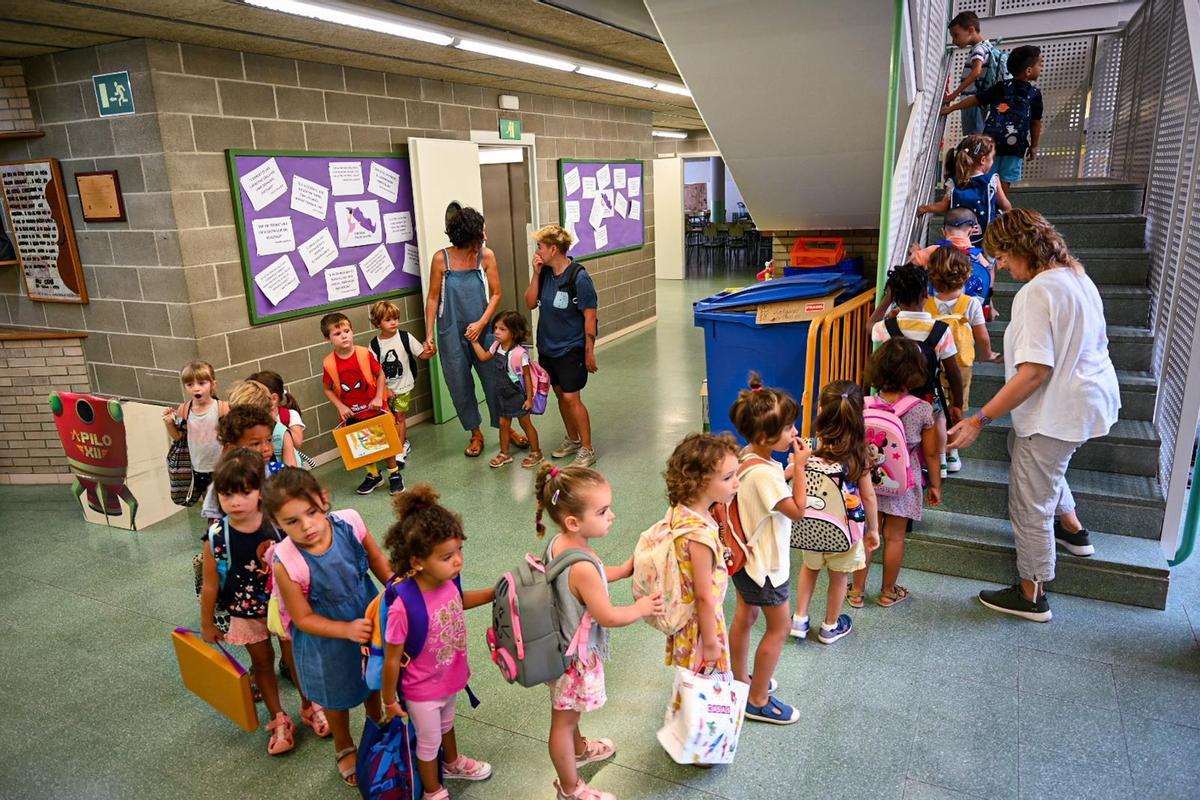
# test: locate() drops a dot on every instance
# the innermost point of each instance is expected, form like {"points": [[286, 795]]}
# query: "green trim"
{"points": [[562, 201], [1191, 519], [231, 156], [889, 148]]}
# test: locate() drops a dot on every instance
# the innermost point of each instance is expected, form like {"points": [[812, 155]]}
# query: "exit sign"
{"points": [[510, 129], [114, 94]]}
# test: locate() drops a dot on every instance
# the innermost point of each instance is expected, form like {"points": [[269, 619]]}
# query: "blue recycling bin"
{"points": [[735, 345]]}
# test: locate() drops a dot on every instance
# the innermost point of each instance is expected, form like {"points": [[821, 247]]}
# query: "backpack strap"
{"points": [[961, 305], [376, 348], [904, 405], [226, 558], [355, 520], [329, 365], [568, 558], [287, 554], [573, 271], [412, 359], [935, 334], [364, 365], [892, 326]]}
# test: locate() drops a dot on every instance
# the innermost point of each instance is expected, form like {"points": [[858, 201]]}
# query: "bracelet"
{"points": [[395, 702], [981, 418]]}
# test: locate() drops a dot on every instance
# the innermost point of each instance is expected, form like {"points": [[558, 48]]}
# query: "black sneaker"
{"points": [[396, 482], [1077, 543], [1012, 601], [369, 484]]}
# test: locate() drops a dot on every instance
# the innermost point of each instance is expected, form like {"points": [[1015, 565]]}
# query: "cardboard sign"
{"points": [[795, 310]]}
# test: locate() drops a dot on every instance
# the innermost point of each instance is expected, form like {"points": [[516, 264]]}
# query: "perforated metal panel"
{"points": [[1025, 6], [981, 7], [1150, 77], [1102, 106], [1125, 120]]}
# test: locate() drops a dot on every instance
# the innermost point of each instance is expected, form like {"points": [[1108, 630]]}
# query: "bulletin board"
{"points": [[602, 205], [42, 234], [322, 231]]}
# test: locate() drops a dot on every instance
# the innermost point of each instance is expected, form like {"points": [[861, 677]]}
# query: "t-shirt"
{"points": [[916, 325], [981, 53], [353, 387], [245, 593], [761, 488], [291, 418], [974, 309], [1006, 91], [397, 369], [441, 668], [203, 447], [1058, 320], [560, 326], [522, 358]]}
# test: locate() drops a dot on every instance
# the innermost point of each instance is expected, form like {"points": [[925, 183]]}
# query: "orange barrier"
{"points": [[839, 344]]}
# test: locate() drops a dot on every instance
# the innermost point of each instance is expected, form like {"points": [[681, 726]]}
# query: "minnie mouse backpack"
{"points": [[892, 463]]}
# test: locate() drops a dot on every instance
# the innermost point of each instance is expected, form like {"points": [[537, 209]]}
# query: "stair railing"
{"points": [[839, 344]]}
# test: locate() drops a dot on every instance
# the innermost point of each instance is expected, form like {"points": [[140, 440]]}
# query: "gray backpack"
{"points": [[529, 640]]}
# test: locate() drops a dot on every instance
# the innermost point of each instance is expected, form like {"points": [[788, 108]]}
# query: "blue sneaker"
{"points": [[774, 712], [844, 625], [799, 628]]}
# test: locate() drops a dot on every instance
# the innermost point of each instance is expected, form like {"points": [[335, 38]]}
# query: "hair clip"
{"points": [[554, 472], [420, 505], [756, 388], [845, 395], [554, 497]]}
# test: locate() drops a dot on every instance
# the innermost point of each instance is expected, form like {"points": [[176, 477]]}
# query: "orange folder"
{"points": [[214, 675]]}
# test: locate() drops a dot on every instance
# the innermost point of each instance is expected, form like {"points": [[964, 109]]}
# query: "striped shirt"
{"points": [[916, 325]]}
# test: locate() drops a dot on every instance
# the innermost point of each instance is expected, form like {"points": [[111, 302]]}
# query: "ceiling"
{"points": [[35, 27]]}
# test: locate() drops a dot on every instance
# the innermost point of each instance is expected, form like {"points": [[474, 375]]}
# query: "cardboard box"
{"points": [[795, 310]]}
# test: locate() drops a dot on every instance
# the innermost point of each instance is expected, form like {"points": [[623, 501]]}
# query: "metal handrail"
{"points": [[839, 343]]}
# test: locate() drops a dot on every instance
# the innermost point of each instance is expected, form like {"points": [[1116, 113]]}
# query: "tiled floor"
{"points": [[937, 699]]}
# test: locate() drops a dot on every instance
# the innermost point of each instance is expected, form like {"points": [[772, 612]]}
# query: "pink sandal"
{"points": [[314, 717], [283, 734]]}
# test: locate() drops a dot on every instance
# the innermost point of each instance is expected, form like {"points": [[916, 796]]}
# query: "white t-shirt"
{"points": [[1058, 320], [396, 368], [981, 53], [761, 489], [974, 309], [203, 447]]}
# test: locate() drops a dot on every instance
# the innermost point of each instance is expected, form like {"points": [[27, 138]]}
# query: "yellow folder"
{"points": [[216, 677]]}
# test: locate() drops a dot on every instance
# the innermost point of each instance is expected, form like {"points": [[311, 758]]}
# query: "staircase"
{"points": [[1114, 479]]}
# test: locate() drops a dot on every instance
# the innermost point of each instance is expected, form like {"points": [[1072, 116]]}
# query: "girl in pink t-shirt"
{"points": [[426, 545]]}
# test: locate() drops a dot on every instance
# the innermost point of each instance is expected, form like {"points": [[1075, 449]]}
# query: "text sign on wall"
{"points": [[114, 94], [601, 206]]}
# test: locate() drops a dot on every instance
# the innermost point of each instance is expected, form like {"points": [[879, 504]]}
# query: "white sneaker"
{"points": [[953, 462], [585, 457], [407, 448], [567, 447]]}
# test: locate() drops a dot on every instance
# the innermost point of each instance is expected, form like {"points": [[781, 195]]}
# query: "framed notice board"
{"points": [[602, 205], [321, 231], [41, 231]]}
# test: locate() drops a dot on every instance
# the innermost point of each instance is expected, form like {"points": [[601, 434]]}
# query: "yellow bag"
{"points": [[960, 328], [216, 677], [275, 621]]}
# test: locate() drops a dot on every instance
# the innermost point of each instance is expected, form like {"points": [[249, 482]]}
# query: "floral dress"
{"points": [[683, 646]]}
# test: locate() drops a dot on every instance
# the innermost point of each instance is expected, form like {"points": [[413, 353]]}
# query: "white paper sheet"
{"points": [[309, 197], [635, 209], [597, 217], [397, 227], [622, 205], [278, 280], [412, 260], [264, 184], [341, 282], [358, 223], [589, 188], [571, 209], [601, 237], [574, 236], [273, 235], [634, 187], [377, 266], [571, 181], [603, 177], [619, 178], [318, 252], [346, 177], [383, 182]]}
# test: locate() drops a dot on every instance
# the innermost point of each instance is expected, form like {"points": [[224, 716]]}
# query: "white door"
{"points": [[668, 218], [443, 171]]}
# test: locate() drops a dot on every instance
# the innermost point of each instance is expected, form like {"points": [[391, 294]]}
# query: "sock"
{"points": [[373, 470], [825, 626], [954, 453], [943, 459], [799, 620]]}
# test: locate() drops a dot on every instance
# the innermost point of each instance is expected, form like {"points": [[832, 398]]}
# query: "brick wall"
{"points": [[30, 451], [15, 113], [858, 242]]}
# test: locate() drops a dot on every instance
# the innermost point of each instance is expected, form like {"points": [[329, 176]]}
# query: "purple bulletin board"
{"points": [[610, 220], [321, 231]]}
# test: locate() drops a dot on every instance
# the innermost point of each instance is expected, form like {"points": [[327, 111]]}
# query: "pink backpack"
{"points": [[893, 464], [541, 378], [279, 622]]}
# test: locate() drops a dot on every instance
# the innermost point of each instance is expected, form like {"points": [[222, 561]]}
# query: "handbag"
{"points": [[387, 761], [216, 677], [704, 718]]}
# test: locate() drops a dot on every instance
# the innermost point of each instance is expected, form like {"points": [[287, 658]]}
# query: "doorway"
{"points": [[504, 173]]}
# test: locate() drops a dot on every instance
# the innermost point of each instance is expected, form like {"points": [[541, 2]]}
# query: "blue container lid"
{"points": [[796, 287]]}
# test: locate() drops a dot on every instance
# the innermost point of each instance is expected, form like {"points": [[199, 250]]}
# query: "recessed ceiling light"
{"points": [[354, 17], [669, 134], [672, 88], [513, 54], [619, 77]]}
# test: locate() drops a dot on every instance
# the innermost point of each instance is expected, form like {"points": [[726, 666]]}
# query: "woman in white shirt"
{"points": [[1061, 390]]}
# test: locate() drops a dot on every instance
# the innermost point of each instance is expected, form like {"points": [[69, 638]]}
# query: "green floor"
{"points": [[937, 699]]}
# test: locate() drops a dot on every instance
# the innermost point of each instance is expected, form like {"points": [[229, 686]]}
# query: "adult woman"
{"points": [[1061, 389], [566, 334], [460, 310]]}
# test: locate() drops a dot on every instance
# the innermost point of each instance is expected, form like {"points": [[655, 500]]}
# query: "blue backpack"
{"points": [[980, 283], [979, 195], [387, 761], [1008, 121], [220, 526], [996, 69]]}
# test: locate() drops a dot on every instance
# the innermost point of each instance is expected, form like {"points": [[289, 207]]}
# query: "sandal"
{"points": [[595, 750], [347, 773], [314, 717], [283, 734], [532, 460], [519, 441], [898, 595], [475, 448], [500, 460], [855, 598]]}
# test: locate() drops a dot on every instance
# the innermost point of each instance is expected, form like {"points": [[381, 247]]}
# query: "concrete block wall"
{"points": [[15, 112], [30, 451]]}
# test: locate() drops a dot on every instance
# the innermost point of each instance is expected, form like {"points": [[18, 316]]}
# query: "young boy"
{"points": [[909, 287], [964, 32], [356, 385], [250, 427], [957, 229], [397, 352], [1014, 120]]}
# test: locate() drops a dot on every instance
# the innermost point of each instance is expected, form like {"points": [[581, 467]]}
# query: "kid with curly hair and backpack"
{"points": [[514, 385]]}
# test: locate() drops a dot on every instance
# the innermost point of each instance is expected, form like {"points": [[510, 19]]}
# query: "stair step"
{"points": [[1080, 198], [1115, 266], [1128, 505], [1083, 231], [1123, 569], [1123, 305], [1138, 389], [1130, 448], [1130, 348]]}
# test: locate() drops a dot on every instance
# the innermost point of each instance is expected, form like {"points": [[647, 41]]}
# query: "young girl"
{"points": [[975, 186], [253, 393], [895, 368], [197, 419], [327, 609], [842, 454], [514, 390], [285, 405], [579, 501], [238, 543], [766, 419], [701, 473], [425, 545]]}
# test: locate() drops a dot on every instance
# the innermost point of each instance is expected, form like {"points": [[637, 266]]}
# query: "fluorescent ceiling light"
{"points": [[360, 18], [669, 134], [619, 77], [513, 54], [672, 88], [501, 155]]}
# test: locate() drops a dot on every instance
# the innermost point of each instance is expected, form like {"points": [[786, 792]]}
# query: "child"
{"points": [[239, 542], [895, 369], [909, 288], [253, 393], [287, 410], [981, 70], [701, 473], [959, 225], [401, 373], [841, 452], [514, 388], [249, 427], [766, 419], [357, 386], [426, 545], [1014, 119], [197, 419], [579, 501], [974, 185], [327, 610]]}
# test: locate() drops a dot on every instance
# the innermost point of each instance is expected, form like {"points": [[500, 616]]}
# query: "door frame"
{"points": [[670, 216]]}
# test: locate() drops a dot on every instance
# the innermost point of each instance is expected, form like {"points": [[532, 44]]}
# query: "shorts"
{"points": [[567, 371], [432, 720], [966, 373], [581, 687], [398, 403], [243, 630], [852, 560], [765, 596], [1009, 168]]}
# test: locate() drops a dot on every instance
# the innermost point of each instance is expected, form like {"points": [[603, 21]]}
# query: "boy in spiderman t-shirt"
{"points": [[354, 382]]}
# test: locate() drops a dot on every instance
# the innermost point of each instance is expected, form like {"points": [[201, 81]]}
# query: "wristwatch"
{"points": [[984, 419]]}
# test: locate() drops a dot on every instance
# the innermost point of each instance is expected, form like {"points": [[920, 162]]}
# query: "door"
{"points": [[668, 218], [506, 208], [443, 171]]}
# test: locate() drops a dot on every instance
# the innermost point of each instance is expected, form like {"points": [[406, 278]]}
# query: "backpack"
{"points": [[979, 195], [964, 336], [733, 533], [996, 70], [980, 283], [541, 380], [527, 639], [572, 273], [387, 761], [377, 349], [1008, 121], [893, 465], [179, 466], [827, 525], [932, 390], [656, 570], [329, 365], [221, 526]]}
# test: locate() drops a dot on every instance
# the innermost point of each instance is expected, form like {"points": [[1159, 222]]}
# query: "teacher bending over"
{"points": [[1061, 389]]}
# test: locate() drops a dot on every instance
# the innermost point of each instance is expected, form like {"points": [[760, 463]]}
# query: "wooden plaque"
{"points": [[41, 228], [100, 196]]}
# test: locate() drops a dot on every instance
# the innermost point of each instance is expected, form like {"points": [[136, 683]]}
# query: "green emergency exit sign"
{"points": [[510, 129], [114, 94]]}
